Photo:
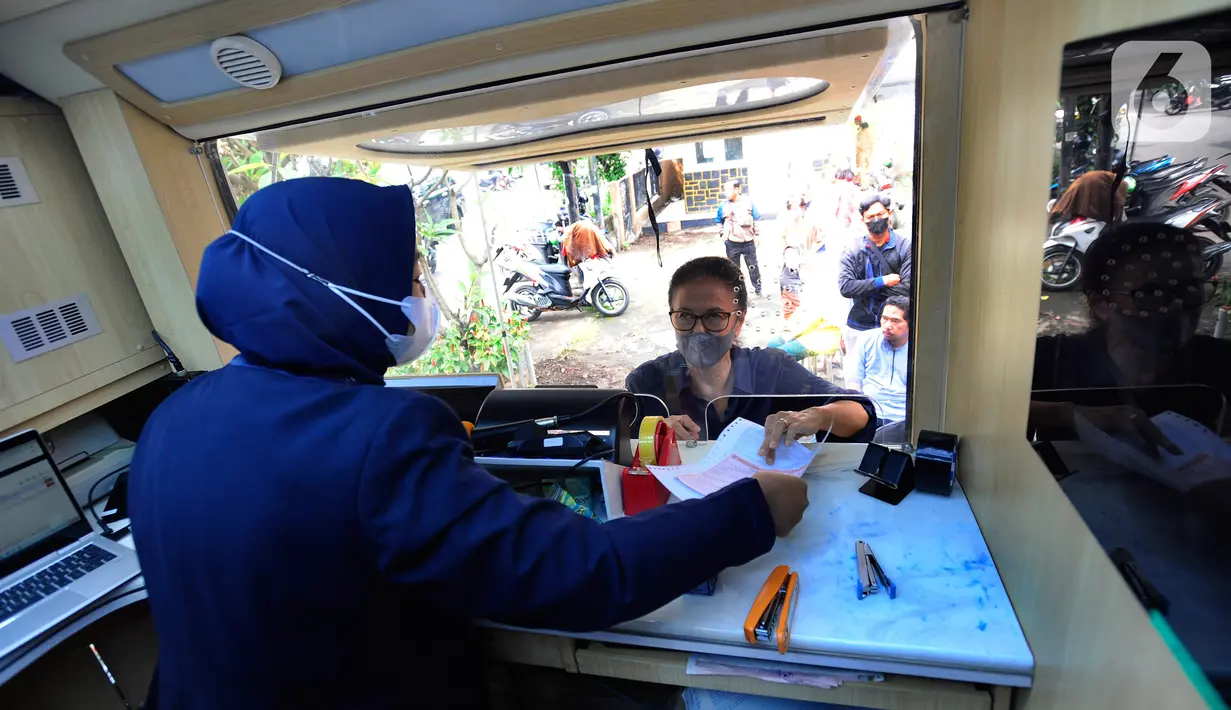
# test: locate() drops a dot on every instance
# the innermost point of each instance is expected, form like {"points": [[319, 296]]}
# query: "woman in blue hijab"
{"points": [[311, 539]]}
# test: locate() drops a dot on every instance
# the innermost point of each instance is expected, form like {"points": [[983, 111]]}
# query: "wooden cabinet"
{"points": [[56, 248]]}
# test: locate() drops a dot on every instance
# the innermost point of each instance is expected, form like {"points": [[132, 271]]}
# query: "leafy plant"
{"points": [[612, 167], [475, 343]]}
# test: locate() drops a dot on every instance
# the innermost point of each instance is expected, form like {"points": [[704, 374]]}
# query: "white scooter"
{"points": [[1068, 242], [533, 287]]}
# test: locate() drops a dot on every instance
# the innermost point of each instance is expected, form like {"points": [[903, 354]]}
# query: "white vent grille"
{"points": [[38, 330], [15, 187], [246, 61]]}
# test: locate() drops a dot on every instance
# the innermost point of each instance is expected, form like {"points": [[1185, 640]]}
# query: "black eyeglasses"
{"points": [[714, 321]]}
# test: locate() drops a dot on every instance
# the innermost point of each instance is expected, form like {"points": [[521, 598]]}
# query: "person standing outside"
{"points": [[880, 362], [738, 217], [874, 269]]}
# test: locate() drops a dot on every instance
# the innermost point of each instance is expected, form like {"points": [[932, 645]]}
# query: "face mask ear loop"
{"points": [[320, 279], [341, 294]]}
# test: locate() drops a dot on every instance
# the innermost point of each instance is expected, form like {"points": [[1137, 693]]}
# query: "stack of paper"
{"points": [[731, 458], [1203, 456]]}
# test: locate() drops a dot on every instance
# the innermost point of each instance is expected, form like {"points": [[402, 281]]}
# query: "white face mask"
{"points": [[423, 313]]}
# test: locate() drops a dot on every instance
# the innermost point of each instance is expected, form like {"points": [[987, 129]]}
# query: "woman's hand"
{"points": [[790, 427], [684, 427], [1126, 419]]}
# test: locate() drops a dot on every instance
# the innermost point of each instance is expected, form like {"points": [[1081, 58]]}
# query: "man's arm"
{"points": [[854, 379], [907, 267], [849, 283], [755, 214]]}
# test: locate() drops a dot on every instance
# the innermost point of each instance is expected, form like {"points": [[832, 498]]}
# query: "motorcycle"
{"points": [[1068, 241], [1136, 169], [533, 287], [496, 181]]}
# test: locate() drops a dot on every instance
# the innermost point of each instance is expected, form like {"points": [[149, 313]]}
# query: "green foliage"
{"points": [[249, 169], [477, 344], [557, 176], [612, 167]]}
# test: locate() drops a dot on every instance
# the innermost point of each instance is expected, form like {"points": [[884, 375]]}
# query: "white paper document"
{"points": [[731, 458], [1204, 456], [776, 671]]}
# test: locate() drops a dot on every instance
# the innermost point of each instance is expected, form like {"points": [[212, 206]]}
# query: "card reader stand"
{"points": [[891, 474]]}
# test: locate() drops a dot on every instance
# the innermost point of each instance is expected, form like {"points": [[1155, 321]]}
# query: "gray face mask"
{"points": [[703, 350]]}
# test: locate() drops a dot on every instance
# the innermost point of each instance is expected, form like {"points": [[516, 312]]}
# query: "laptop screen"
{"points": [[37, 511]]}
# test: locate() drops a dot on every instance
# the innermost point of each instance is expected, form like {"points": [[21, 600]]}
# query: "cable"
{"points": [[91, 502], [550, 421], [171, 358], [589, 458]]}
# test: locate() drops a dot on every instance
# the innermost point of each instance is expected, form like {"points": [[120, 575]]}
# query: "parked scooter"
{"points": [[1068, 242], [534, 287]]}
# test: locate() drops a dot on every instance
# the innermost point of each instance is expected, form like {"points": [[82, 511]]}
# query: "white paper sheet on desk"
{"points": [[701, 699], [731, 458], [1204, 457], [776, 671]]}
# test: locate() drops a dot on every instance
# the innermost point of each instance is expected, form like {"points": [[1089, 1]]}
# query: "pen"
{"points": [[110, 678]]}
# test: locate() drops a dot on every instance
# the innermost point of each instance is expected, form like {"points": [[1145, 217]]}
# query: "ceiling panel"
{"points": [[345, 34], [32, 46]]}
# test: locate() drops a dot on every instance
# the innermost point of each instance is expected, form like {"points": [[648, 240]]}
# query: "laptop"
{"points": [[52, 563]]}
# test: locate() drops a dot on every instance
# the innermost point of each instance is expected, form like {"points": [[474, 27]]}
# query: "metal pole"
{"points": [[491, 269]]}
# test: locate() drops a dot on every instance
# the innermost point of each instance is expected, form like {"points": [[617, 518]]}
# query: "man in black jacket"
{"points": [[874, 269]]}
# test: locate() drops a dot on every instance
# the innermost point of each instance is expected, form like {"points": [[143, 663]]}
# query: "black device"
{"points": [[891, 473], [464, 394], [556, 422], [936, 462]]}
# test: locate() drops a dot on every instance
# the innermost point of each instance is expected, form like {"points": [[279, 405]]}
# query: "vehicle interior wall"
{"points": [[1093, 644]]}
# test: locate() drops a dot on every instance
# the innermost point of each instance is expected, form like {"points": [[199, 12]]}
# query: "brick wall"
{"points": [[703, 188]]}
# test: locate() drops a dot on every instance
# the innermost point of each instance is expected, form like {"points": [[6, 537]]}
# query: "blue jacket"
{"points": [[311, 539], [757, 371]]}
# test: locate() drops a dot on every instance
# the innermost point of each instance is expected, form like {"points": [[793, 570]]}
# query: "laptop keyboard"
{"points": [[52, 579]]}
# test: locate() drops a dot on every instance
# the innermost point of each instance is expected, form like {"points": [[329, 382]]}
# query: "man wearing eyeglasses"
{"points": [[874, 269]]}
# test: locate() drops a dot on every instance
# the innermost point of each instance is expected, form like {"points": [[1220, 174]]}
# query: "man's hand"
{"points": [[787, 497], [684, 427], [791, 426], [892, 280]]}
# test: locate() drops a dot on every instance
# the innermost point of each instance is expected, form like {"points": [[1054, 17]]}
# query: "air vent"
{"points": [[15, 187], [246, 61], [42, 329]]}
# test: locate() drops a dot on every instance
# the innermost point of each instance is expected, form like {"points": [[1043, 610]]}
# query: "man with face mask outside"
{"points": [[312, 539], [707, 302], [873, 269]]}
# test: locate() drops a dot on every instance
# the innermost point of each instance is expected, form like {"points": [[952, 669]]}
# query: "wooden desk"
{"points": [[950, 639]]}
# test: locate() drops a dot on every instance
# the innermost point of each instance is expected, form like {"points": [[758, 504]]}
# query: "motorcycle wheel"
{"points": [[1210, 267], [1061, 268], [610, 298], [530, 314]]}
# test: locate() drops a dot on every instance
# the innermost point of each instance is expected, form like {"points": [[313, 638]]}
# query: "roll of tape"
{"points": [[645, 440]]}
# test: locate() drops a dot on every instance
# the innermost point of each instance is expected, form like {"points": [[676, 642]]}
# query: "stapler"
{"points": [[872, 577], [774, 609]]}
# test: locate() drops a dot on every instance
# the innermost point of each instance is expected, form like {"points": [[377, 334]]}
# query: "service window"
{"points": [[782, 176]]}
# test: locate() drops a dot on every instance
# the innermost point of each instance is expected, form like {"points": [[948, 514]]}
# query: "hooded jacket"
{"points": [[311, 539]]}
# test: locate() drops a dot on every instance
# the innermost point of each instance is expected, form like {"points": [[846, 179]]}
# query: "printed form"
{"points": [[731, 458]]}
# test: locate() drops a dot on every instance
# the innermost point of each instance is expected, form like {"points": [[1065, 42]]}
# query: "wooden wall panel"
{"points": [[144, 225], [56, 248], [1093, 644]]}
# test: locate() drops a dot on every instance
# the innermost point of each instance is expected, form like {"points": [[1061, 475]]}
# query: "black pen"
{"points": [[110, 677]]}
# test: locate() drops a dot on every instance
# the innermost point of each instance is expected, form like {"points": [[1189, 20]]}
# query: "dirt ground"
{"points": [[583, 347]]}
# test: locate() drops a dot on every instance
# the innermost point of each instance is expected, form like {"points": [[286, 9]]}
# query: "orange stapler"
{"points": [[774, 609]]}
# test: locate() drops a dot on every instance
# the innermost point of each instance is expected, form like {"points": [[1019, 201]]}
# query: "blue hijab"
{"points": [[352, 233]]}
